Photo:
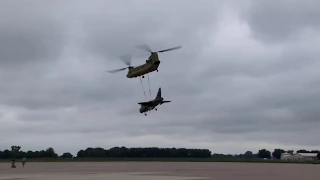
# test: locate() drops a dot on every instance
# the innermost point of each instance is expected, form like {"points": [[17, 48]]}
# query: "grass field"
{"points": [[158, 160]]}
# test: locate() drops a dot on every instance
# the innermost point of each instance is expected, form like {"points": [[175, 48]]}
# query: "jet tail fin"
{"points": [[158, 94]]}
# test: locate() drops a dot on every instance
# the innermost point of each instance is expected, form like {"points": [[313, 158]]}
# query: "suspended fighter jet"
{"points": [[152, 63], [150, 105]]}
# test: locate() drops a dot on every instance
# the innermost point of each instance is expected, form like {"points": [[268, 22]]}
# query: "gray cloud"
{"points": [[231, 89], [30, 33], [282, 20]]}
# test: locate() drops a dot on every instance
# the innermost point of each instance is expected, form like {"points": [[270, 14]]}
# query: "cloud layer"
{"points": [[245, 78]]}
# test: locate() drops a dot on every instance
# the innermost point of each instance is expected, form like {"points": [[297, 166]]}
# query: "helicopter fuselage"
{"points": [[151, 65]]}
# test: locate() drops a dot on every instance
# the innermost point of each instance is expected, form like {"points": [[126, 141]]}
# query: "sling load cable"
{"points": [[143, 88], [149, 85]]}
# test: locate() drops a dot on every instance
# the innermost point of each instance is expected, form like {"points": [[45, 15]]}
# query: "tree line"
{"points": [[8, 154], [148, 152], [115, 152]]}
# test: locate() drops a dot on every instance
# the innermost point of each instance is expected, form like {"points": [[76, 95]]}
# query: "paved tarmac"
{"points": [[158, 171]]}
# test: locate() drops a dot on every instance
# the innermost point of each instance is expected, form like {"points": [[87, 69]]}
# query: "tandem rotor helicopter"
{"points": [[151, 64]]}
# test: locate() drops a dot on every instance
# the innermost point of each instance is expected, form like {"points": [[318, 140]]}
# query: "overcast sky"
{"points": [[246, 77]]}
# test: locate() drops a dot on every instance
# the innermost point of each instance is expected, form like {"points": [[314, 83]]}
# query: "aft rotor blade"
{"points": [[126, 59], [145, 47], [170, 49], [116, 70]]}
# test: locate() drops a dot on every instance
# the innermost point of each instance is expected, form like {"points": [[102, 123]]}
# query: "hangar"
{"points": [[299, 157]]}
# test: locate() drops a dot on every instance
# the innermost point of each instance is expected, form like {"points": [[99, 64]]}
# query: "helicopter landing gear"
{"points": [[142, 76], [145, 114], [157, 70], [156, 109]]}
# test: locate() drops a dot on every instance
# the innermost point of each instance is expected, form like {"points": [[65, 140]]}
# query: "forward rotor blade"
{"points": [[144, 47], [170, 49], [116, 70], [126, 59], [142, 55]]}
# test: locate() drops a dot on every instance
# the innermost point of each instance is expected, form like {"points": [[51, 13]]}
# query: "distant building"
{"points": [[286, 156], [305, 156], [299, 157]]}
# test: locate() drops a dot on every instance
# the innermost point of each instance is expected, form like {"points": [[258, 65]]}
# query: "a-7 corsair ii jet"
{"points": [[150, 105]]}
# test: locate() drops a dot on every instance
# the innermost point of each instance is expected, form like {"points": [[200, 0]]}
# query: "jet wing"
{"points": [[145, 103], [166, 101]]}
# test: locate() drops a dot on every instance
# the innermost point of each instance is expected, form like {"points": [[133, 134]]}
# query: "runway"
{"points": [[158, 171]]}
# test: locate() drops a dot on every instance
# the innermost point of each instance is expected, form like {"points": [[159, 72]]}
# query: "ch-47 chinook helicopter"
{"points": [[152, 63]]}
